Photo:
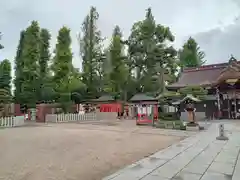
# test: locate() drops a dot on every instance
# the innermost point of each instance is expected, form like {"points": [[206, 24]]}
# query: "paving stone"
{"points": [[231, 149], [236, 175], [205, 159], [151, 177], [167, 154], [169, 170], [151, 162], [226, 157], [198, 157], [119, 172], [217, 176], [135, 173], [187, 176], [224, 168], [196, 168], [219, 142], [125, 177]]}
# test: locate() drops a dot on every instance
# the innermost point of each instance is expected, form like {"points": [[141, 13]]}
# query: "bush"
{"points": [[171, 125], [168, 116]]}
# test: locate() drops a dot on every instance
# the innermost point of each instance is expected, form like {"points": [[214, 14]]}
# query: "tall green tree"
{"points": [[106, 70], [44, 54], [1, 46], [191, 55], [90, 41], [5, 75], [45, 88], [30, 58], [149, 52], [5, 85], [62, 66], [19, 69], [119, 73]]}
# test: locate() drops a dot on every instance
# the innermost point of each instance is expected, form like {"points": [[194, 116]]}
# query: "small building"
{"points": [[223, 84], [143, 107], [182, 105]]}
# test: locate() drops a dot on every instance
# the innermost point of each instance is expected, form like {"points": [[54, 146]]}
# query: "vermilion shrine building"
{"points": [[223, 84]]}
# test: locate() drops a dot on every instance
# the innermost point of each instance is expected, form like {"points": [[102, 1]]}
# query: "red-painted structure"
{"points": [[144, 102], [107, 103], [144, 118], [111, 107]]}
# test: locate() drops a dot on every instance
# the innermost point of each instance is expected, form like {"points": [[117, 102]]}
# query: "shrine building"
{"points": [[223, 84]]}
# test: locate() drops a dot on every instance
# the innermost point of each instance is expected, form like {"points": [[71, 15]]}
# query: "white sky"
{"points": [[212, 22]]}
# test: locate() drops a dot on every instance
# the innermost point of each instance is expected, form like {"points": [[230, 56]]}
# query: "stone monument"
{"points": [[221, 133]]}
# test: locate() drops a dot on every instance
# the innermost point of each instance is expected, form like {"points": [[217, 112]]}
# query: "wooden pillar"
{"points": [[229, 106], [235, 101], [218, 101]]}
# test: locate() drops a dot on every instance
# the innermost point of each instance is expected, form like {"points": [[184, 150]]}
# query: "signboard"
{"points": [[231, 81]]}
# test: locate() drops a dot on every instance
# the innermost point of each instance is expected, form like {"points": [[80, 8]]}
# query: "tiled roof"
{"points": [[105, 98], [204, 75], [142, 97]]}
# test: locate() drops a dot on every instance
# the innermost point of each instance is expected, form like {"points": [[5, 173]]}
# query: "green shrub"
{"points": [[160, 125], [183, 128], [168, 116], [177, 124]]}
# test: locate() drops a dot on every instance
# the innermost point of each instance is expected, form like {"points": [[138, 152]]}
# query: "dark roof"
{"points": [[204, 75], [167, 94], [105, 98], [142, 97]]}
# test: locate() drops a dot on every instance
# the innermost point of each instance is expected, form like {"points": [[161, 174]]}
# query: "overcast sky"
{"points": [[214, 23]]}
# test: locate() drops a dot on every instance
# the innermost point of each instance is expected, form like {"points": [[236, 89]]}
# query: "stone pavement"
{"points": [[200, 157]]}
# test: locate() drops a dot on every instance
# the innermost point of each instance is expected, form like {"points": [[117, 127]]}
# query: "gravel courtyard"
{"points": [[75, 151]]}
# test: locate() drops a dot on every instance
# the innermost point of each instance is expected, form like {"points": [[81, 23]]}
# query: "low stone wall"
{"points": [[106, 115], [51, 118]]}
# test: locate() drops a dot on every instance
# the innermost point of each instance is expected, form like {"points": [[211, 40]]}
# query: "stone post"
{"points": [[221, 133]]}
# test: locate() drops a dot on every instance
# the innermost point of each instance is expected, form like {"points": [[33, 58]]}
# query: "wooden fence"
{"points": [[12, 121], [95, 116]]}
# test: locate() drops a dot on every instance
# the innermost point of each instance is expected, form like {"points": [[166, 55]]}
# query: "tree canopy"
{"points": [[143, 62], [30, 66], [90, 42], [1, 46], [150, 55], [191, 55], [19, 70]]}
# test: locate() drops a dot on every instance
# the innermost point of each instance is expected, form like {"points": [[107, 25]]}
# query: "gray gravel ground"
{"points": [[76, 151]]}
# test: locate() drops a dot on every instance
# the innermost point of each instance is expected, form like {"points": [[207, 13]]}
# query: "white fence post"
{"points": [[59, 118], [12, 121]]}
